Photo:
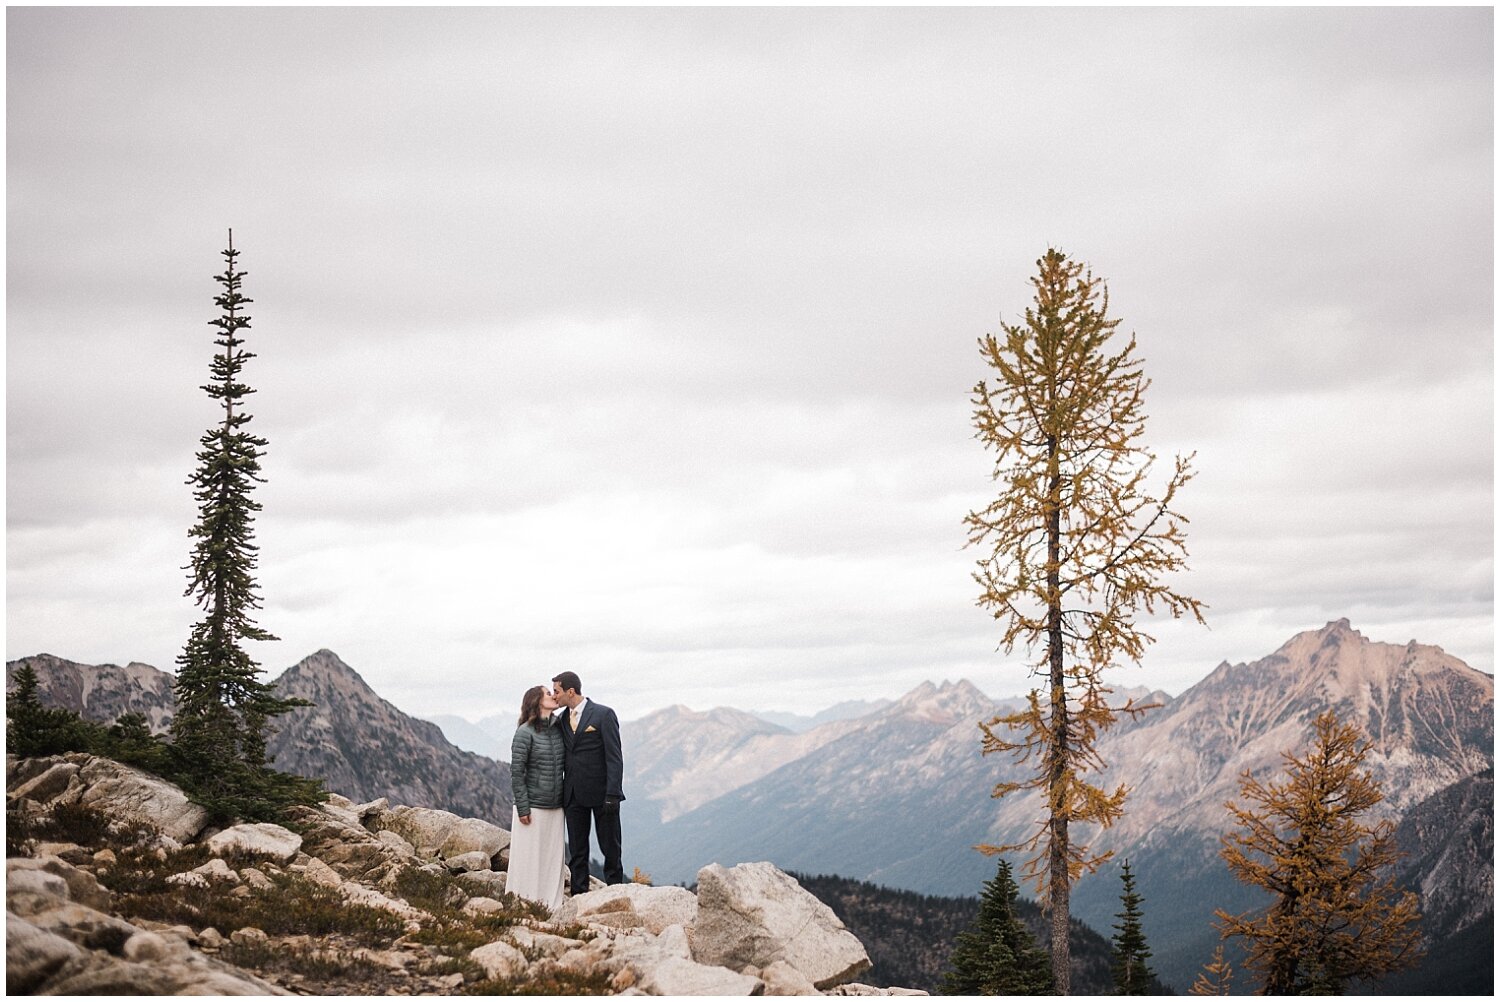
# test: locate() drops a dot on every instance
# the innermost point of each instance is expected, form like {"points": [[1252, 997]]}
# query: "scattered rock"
{"points": [[855, 988], [272, 841], [214, 871], [32, 955], [360, 895], [543, 943], [28, 891], [483, 906], [676, 976], [499, 960], [85, 926], [19, 771], [393, 841], [249, 936], [145, 946], [256, 879], [320, 872], [782, 978], [756, 914], [485, 882], [48, 785], [424, 827], [81, 885], [468, 862], [474, 835], [658, 907], [373, 809]]}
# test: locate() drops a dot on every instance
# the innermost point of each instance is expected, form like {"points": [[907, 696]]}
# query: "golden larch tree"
{"points": [[1338, 915], [1077, 545], [1216, 978]]}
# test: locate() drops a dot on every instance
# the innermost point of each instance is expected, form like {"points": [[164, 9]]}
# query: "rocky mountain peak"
{"points": [[101, 692], [326, 665], [945, 703]]}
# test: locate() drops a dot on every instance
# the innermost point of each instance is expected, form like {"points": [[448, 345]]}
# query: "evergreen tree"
{"points": [[32, 729], [1337, 915], [1077, 547], [129, 740], [997, 955], [1129, 951], [1216, 978], [219, 730]]}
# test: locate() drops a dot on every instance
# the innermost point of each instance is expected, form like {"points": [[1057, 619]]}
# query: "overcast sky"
{"points": [[639, 342]]}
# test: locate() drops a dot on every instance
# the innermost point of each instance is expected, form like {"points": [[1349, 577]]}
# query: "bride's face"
{"points": [[548, 703]]}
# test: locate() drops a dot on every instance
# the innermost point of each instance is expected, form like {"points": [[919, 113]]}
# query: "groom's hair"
{"points": [[569, 680]]}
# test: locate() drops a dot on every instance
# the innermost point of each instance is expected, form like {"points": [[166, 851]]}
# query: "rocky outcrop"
{"points": [[757, 916], [117, 790], [751, 930]]}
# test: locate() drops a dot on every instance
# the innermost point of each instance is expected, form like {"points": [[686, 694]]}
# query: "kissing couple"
{"points": [[566, 772]]}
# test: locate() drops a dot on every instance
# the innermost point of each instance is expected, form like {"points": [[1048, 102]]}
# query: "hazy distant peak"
{"points": [[963, 689], [940, 703], [740, 720]]}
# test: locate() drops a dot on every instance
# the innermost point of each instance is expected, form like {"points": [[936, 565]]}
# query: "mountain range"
{"points": [[360, 745], [899, 796]]}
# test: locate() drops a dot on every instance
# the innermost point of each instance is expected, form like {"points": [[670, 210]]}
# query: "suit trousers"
{"points": [[606, 825]]}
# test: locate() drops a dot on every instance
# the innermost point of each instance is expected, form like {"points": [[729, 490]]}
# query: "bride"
{"points": [[537, 827]]}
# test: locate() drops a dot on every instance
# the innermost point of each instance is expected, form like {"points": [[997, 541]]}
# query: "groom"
{"points": [[593, 768]]}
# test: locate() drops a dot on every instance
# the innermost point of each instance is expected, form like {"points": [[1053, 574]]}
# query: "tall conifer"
{"points": [[222, 706], [1077, 545]]}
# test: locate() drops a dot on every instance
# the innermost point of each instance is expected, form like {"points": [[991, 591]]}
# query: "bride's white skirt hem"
{"points": [[536, 856]]}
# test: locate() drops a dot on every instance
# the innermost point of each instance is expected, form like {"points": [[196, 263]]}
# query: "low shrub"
{"points": [[284, 958], [553, 982], [293, 905]]}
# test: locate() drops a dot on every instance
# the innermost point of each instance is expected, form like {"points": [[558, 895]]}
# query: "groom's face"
{"points": [[564, 697]]}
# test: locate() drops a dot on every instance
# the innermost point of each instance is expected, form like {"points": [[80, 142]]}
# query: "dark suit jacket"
{"points": [[594, 765]]}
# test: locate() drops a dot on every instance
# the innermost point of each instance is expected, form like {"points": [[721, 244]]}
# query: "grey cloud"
{"points": [[702, 288]]}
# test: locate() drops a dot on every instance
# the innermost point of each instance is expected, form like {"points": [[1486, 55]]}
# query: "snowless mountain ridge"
{"points": [[900, 796]]}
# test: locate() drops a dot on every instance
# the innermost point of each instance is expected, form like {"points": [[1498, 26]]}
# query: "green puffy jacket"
{"points": [[536, 766]]}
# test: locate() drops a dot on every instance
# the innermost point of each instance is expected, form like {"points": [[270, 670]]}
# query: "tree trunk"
{"points": [[1057, 863]]}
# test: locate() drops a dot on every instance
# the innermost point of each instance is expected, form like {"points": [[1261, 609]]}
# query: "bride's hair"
{"points": [[531, 707]]}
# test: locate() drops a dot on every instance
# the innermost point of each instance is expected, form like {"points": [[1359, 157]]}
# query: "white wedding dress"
{"points": [[536, 856]]}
